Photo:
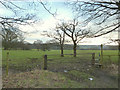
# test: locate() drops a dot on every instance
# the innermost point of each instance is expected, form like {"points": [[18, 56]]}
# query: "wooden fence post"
{"points": [[45, 62], [101, 58], [7, 66], [110, 59], [93, 58]]}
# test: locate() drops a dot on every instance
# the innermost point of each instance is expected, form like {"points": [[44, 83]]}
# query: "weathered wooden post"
{"points": [[93, 59], [7, 65], [45, 62], [110, 59], [101, 58]]}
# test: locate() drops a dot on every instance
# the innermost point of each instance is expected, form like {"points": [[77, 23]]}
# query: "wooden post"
{"points": [[45, 62], [7, 65], [101, 58], [93, 58], [110, 59]]}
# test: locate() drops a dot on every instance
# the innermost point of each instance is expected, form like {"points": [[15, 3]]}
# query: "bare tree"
{"points": [[72, 30], [59, 36], [38, 44], [104, 13], [10, 35], [45, 46]]}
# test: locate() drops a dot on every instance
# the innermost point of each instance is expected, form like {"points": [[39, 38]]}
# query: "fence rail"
{"points": [[110, 55], [46, 59], [68, 54]]}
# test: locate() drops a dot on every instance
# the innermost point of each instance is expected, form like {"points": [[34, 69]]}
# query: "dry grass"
{"points": [[112, 69], [38, 79]]}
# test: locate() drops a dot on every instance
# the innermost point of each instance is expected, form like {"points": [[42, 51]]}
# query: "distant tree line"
{"points": [[13, 38]]}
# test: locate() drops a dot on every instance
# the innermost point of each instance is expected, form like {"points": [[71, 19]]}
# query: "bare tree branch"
{"points": [[99, 12], [48, 10]]}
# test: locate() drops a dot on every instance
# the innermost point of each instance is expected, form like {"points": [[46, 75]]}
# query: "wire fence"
{"points": [[68, 62], [54, 62]]}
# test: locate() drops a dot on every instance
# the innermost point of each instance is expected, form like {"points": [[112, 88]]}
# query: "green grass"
{"points": [[78, 69], [80, 75], [21, 56], [23, 59]]}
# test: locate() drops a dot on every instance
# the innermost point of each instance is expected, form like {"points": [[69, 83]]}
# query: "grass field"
{"points": [[68, 71], [22, 56]]}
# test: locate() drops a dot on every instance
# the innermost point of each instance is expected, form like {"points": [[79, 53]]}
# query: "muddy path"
{"points": [[102, 78]]}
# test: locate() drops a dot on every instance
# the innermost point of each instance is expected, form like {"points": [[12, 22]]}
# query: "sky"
{"points": [[46, 22]]}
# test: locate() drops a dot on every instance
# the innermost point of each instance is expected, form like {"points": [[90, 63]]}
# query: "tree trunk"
{"points": [[62, 51], [74, 49]]}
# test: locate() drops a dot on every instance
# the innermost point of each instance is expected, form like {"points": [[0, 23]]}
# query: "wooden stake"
{"points": [[93, 58], [7, 64], [45, 62], [101, 58]]}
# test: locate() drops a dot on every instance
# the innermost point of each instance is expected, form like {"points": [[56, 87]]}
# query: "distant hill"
{"points": [[97, 47], [86, 47], [56, 46]]}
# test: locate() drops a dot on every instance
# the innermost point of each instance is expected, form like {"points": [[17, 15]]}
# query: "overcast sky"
{"points": [[46, 21]]}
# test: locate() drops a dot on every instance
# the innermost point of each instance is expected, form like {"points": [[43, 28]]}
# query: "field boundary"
{"points": [[46, 59]]}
